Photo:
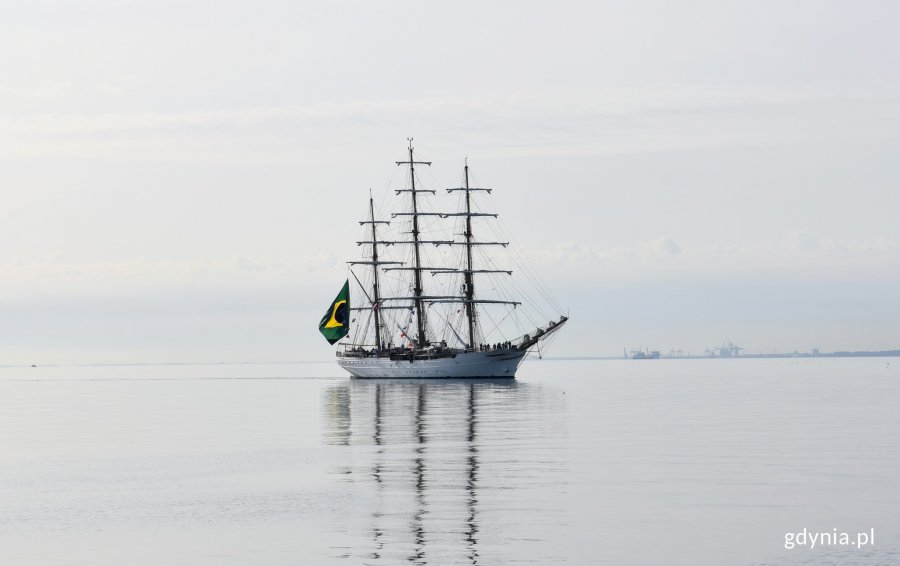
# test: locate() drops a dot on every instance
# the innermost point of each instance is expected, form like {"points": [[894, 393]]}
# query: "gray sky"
{"points": [[181, 181]]}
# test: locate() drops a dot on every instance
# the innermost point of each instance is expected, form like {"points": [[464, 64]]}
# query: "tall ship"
{"points": [[431, 298]]}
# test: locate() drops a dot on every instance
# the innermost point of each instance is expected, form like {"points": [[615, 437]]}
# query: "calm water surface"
{"points": [[577, 462]]}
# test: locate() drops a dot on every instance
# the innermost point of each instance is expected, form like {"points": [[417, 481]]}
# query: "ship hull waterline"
{"points": [[494, 364]]}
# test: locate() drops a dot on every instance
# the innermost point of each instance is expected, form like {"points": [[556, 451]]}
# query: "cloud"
{"points": [[54, 91], [574, 253], [663, 246], [568, 252], [659, 257], [111, 90], [803, 242], [783, 257], [53, 276], [609, 120]]}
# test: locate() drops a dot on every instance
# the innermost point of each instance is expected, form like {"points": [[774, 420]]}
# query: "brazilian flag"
{"points": [[336, 322]]}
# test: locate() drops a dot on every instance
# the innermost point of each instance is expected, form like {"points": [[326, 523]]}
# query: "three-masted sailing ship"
{"points": [[437, 332]]}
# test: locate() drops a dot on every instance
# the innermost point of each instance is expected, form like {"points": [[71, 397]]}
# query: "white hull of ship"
{"points": [[498, 363]]}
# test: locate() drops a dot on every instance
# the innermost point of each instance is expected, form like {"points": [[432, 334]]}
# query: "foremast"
{"points": [[375, 293], [375, 298]]}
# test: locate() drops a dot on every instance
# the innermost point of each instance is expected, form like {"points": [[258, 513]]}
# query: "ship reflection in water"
{"points": [[448, 472]]}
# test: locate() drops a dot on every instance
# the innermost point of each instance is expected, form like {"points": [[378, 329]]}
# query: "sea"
{"points": [[712, 461]]}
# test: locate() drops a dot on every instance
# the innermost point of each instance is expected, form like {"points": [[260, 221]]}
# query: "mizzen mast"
{"points": [[469, 271]]}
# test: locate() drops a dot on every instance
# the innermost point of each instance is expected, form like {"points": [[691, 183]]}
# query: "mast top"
{"points": [[411, 162]]}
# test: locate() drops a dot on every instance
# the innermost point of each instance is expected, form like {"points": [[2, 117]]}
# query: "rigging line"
{"points": [[531, 274], [548, 341], [365, 332], [502, 282], [453, 330], [522, 261], [509, 297], [544, 292], [534, 305], [390, 181], [529, 277], [361, 286], [518, 323], [551, 339], [488, 334], [497, 325], [429, 150], [380, 206]]}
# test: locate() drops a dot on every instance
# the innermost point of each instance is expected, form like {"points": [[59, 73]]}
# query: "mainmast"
{"points": [[417, 268], [470, 287]]}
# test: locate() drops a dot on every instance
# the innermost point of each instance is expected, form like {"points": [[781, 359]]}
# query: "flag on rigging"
{"points": [[334, 325]]}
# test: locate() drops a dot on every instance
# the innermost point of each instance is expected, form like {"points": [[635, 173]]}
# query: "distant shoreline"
{"points": [[861, 354]]}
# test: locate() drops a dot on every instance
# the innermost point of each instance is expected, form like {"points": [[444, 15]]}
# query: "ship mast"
{"points": [[375, 299], [417, 268], [470, 287], [469, 272], [375, 306]]}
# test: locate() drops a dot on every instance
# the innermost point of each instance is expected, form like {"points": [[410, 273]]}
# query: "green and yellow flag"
{"points": [[336, 322]]}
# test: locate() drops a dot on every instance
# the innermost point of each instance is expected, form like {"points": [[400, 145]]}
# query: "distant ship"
{"points": [[727, 350], [641, 355], [440, 333]]}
